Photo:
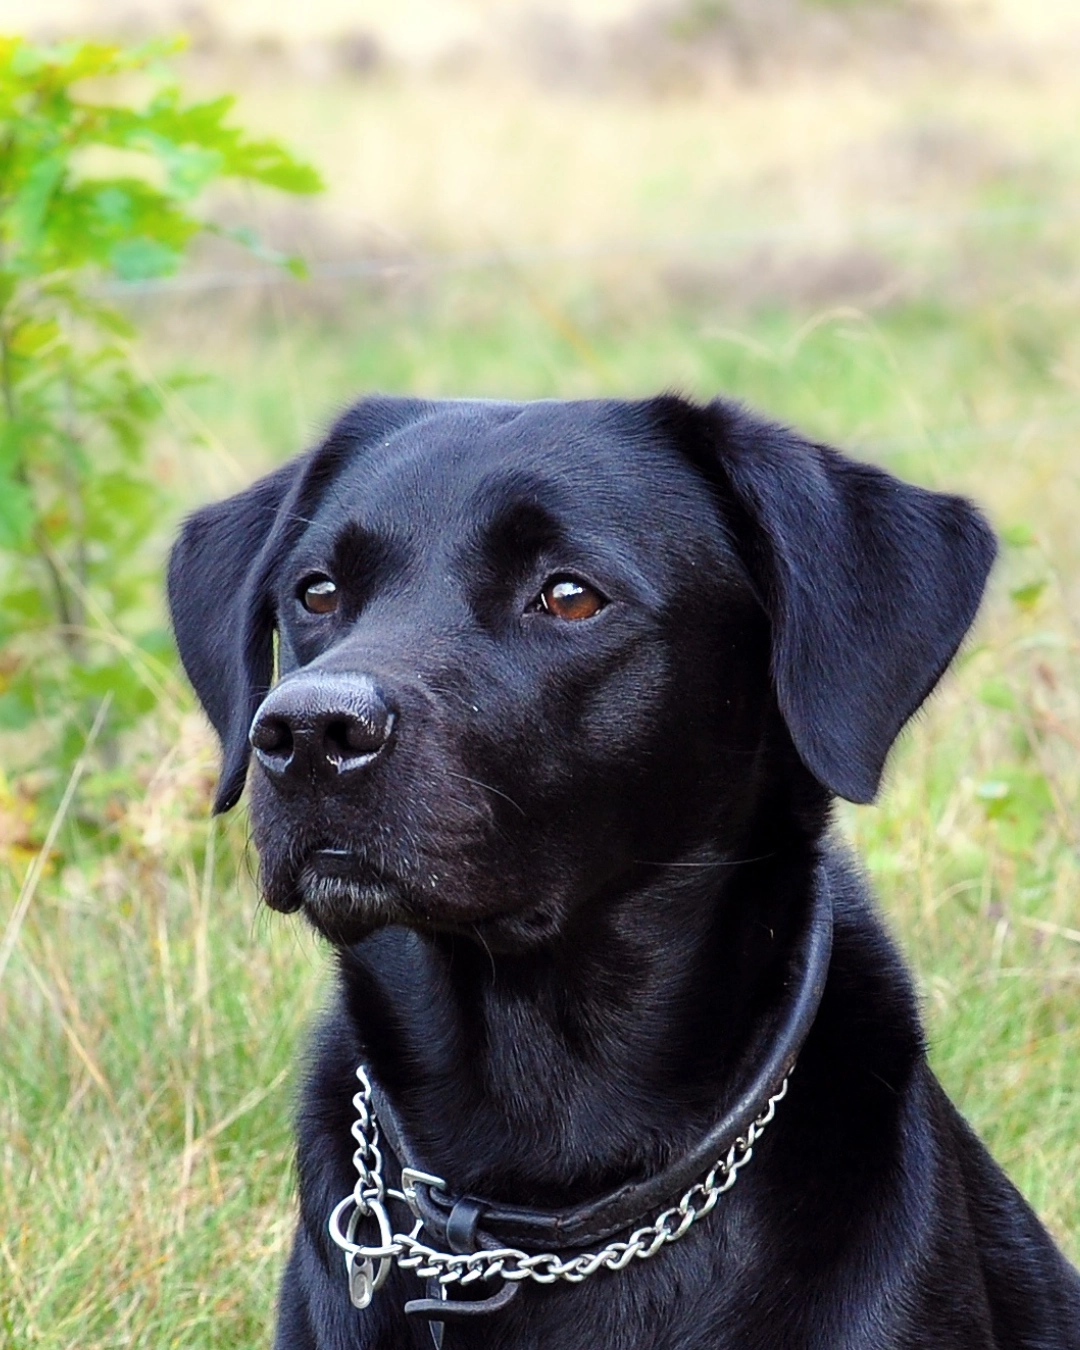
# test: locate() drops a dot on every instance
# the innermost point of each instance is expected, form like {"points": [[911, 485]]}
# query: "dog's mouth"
{"points": [[343, 894], [338, 862], [346, 896]]}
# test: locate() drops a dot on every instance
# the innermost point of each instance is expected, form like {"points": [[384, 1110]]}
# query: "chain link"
{"points": [[369, 1266]]}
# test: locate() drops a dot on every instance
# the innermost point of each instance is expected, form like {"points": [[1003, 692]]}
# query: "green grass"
{"points": [[152, 1015]]}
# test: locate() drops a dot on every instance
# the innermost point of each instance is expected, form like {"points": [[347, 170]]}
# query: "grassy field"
{"points": [[885, 254]]}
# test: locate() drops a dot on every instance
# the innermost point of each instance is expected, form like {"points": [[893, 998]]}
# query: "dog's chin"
{"points": [[345, 910], [342, 897], [345, 900]]}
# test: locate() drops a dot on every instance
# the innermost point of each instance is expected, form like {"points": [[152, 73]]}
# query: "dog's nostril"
{"points": [[348, 738], [350, 735], [272, 735]]}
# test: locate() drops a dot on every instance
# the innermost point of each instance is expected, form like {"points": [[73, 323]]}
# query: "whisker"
{"points": [[702, 866], [483, 943], [477, 783]]}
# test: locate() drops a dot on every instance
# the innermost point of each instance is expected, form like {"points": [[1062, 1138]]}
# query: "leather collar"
{"points": [[451, 1218]]}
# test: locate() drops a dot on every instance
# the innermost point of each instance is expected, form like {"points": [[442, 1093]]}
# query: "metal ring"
{"points": [[364, 1279]]}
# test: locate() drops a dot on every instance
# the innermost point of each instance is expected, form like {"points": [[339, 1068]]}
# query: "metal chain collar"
{"points": [[369, 1266]]}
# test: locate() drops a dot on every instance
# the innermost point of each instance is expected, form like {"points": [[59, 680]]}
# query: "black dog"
{"points": [[564, 693]]}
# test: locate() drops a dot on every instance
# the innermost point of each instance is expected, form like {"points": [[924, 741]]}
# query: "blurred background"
{"points": [[860, 216]]}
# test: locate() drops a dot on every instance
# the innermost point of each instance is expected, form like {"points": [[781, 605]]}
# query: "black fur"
{"points": [[566, 877]]}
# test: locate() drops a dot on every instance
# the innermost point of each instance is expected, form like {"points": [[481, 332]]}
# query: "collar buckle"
{"points": [[411, 1177]]}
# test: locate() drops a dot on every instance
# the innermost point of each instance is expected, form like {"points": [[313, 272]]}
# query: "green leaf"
{"points": [[1018, 536], [1018, 800], [28, 211], [17, 514], [996, 693], [188, 168], [16, 711], [1027, 596], [126, 686], [140, 258], [249, 239], [21, 609], [114, 205]]}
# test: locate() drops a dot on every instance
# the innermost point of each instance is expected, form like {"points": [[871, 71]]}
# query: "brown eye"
{"points": [[319, 596], [568, 598]]}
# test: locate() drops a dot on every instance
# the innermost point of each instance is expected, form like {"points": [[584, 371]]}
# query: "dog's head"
{"points": [[525, 650]]}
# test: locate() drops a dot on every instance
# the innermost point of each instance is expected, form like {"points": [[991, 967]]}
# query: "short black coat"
{"points": [[579, 861]]}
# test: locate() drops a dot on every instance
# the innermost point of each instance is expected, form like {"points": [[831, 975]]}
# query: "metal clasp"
{"points": [[411, 1177], [365, 1280]]}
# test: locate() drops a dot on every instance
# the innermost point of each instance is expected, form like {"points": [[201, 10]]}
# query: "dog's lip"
{"points": [[339, 885], [347, 863], [346, 895], [353, 853]]}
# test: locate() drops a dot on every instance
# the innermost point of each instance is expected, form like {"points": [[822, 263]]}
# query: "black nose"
{"points": [[314, 727]]}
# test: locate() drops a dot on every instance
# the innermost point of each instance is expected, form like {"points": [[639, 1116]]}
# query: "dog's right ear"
{"points": [[221, 572]]}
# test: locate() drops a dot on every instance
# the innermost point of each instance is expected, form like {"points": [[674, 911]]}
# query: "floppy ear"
{"points": [[869, 583], [221, 573], [223, 625]]}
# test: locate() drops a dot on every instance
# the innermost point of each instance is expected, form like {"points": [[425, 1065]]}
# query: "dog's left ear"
{"points": [[869, 583]]}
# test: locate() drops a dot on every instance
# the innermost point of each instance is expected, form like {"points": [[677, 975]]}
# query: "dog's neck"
{"points": [[546, 1078]]}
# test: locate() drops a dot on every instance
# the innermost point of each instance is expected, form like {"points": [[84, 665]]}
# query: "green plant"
{"points": [[92, 190]]}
